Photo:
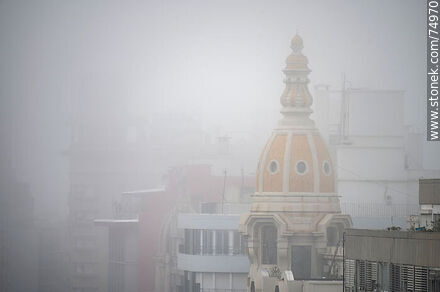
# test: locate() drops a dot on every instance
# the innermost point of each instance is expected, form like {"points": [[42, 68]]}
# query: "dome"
{"points": [[295, 159], [293, 162]]}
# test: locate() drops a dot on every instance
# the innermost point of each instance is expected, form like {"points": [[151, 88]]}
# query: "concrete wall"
{"points": [[412, 248], [322, 286]]}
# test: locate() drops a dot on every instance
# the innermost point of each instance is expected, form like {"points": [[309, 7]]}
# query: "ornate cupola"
{"points": [[296, 98], [295, 159], [295, 203]]}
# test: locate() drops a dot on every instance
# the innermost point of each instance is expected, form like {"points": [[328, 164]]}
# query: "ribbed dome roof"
{"points": [[295, 163]]}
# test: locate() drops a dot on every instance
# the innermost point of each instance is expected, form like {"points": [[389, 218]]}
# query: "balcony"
{"points": [[213, 263], [221, 290], [208, 221]]}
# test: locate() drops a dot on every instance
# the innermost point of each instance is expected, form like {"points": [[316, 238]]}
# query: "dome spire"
{"points": [[296, 98]]}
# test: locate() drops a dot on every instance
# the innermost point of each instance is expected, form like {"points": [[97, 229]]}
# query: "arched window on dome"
{"points": [[269, 237]]}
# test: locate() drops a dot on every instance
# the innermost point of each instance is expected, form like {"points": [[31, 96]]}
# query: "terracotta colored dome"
{"points": [[295, 163]]}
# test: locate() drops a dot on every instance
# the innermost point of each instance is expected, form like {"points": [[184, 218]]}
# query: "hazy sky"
{"points": [[219, 61]]}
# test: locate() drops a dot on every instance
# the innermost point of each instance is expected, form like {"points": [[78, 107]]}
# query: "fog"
{"points": [[181, 74]]}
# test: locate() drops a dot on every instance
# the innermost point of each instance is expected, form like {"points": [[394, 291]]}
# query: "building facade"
{"points": [[200, 248], [394, 261], [123, 256], [212, 256]]}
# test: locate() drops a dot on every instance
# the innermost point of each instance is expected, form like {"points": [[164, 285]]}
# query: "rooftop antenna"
{"points": [[224, 186], [344, 115], [242, 182]]}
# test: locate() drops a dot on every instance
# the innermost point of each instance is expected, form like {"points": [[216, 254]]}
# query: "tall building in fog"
{"points": [[98, 173], [294, 228], [18, 238], [18, 234], [378, 159]]}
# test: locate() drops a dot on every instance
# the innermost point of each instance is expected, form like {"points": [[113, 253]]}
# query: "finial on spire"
{"points": [[296, 44], [296, 98]]}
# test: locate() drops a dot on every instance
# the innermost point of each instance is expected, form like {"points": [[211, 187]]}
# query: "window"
{"points": [[192, 242], [273, 166], [301, 167], [222, 242], [301, 262], [332, 236], [383, 280], [434, 280], [187, 243], [196, 287], [239, 244], [196, 246], [207, 242], [269, 245], [326, 169]]}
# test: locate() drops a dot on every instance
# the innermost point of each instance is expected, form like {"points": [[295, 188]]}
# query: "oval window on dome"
{"points": [[301, 167], [273, 166], [326, 169]]}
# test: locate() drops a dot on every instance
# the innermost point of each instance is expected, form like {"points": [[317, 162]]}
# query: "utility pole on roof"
{"points": [[224, 187]]}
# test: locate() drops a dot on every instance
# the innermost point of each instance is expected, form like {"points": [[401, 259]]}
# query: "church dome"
{"points": [[295, 158], [294, 162]]}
